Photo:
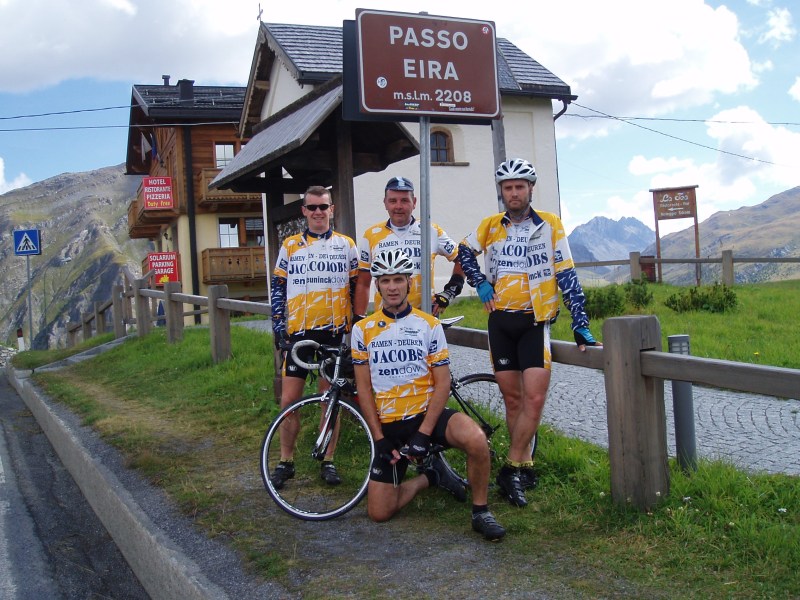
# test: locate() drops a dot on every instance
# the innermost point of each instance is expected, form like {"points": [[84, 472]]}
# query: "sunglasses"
{"points": [[313, 207]]}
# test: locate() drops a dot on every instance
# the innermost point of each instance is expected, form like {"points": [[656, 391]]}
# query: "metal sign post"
{"points": [[425, 207], [26, 243], [30, 304]]}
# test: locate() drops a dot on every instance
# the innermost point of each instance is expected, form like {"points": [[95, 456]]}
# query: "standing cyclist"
{"points": [[403, 231], [402, 373], [527, 261], [312, 287]]}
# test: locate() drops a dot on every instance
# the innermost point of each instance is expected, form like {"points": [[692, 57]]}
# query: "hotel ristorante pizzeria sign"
{"points": [[420, 64]]}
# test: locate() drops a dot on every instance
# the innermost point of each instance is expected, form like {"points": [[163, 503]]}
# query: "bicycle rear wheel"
{"points": [[306, 495], [481, 390]]}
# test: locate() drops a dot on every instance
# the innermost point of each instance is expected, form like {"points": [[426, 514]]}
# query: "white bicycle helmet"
{"points": [[515, 168], [391, 262]]}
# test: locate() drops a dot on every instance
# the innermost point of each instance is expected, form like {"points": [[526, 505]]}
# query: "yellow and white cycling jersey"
{"points": [[523, 261], [317, 271], [400, 353], [382, 236]]}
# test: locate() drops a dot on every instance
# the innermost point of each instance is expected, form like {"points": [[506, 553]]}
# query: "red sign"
{"points": [[157, 193], [675, 203], [165, 265], [426, 65]]}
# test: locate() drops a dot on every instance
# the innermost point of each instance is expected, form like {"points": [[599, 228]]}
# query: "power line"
{"points": [[675, 137], [137, 126]]}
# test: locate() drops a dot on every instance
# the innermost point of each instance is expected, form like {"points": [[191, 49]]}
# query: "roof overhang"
{"points": [[303, 139]]}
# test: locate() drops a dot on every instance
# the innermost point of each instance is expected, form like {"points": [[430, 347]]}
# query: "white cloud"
{"points": [[117, 40], [779, 27], [794, 91], [19, 181]]}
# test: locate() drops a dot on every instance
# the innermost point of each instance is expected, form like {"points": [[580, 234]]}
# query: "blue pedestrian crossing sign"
{"points": [[27, 242]]}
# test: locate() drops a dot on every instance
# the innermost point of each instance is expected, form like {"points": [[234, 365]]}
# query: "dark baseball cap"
{"points": [[400, 183]]}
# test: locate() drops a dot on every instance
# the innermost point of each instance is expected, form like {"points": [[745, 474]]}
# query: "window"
{"points": [[229, 233], [441, 147], [250, 228], [223, 154]]}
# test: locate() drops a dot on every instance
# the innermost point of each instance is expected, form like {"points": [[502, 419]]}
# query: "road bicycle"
{"points": [[333, 420]]}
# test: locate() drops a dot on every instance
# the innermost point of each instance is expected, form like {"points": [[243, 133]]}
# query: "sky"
{"points": [[671, 93]]}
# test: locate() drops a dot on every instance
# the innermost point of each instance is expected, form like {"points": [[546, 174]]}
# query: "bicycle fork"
{"points": [[327, 427]]}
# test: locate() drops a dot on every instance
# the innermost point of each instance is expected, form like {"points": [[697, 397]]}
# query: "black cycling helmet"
{"points": [[391, 262], [515, 168]]}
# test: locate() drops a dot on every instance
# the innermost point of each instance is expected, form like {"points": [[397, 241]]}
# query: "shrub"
{"points": [[638, 294], [716, 299], [608, 301]]}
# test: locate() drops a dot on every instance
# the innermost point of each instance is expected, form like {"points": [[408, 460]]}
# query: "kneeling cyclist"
{"points": [[402, 373]]}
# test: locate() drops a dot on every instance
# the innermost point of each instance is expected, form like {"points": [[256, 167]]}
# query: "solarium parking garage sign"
{"points": [[426, 65]]}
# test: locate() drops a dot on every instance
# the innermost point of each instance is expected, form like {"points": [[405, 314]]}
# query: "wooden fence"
{"points": [[631, 359], [727, 260]]}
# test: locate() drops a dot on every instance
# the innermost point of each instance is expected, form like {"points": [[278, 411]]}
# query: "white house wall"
{"points": [[462, 195], [283, 90]]}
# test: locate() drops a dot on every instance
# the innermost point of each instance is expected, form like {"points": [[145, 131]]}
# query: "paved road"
{"points": [[52, 545], [755, 433]]}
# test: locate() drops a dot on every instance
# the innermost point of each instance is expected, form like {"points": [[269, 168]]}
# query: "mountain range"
{"points": [[85, 247]]}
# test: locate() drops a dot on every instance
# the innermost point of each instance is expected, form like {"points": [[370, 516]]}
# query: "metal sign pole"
{"points": [[30, 304], [425, 209]]}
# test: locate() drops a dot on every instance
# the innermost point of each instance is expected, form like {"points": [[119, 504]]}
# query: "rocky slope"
{"points": [[83, 222]]}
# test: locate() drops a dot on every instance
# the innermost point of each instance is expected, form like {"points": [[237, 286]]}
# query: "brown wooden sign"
{"points": [[426, 65], [675, 203]]}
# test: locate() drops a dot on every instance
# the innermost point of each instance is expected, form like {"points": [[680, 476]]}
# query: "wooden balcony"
{"points": [[138, 228], [147, 223], [223, 199], [234, 265]]}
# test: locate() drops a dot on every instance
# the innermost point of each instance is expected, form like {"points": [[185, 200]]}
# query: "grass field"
{"points": [[194, 428]]}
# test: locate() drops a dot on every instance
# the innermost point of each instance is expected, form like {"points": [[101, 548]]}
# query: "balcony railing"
{"points": [[226, 265], [210, 198]]}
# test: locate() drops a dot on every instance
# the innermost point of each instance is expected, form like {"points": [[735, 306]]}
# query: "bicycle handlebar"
{"points": [[298, 361]]}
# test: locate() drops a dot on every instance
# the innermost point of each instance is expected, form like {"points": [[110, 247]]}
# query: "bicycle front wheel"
{"points": [[306, 495]]}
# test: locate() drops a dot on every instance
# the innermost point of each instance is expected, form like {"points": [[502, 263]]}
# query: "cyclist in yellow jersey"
{"points": [[312, 287], [403, 231], [527, 262], [402, 374]]}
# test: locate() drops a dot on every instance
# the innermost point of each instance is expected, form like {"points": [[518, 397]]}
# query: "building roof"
{"points": [[165, 101], [181, 103], [314, 54]]}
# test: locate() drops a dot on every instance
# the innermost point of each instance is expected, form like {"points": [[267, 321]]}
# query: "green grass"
{"points": [[759, 330], [30, 359], [195, 428]]}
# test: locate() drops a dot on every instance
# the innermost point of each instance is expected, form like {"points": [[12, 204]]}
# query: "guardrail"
{"points": [[631, 359]]}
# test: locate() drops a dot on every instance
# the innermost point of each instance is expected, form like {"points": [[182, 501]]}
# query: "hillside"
{"points": [[84, 228], [769, 229]]}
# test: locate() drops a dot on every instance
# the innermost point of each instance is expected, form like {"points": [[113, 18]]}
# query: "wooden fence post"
{"points": [[727, 267], [173, 312], [86, 325], [636, 266], [219, 324], [142, 307], [116, 311], [72, 334], [637, 430], [99, 319]]}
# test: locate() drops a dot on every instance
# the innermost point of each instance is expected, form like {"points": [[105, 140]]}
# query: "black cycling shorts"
{"points": [[399, 432], [518, 342], [326, 338]]}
